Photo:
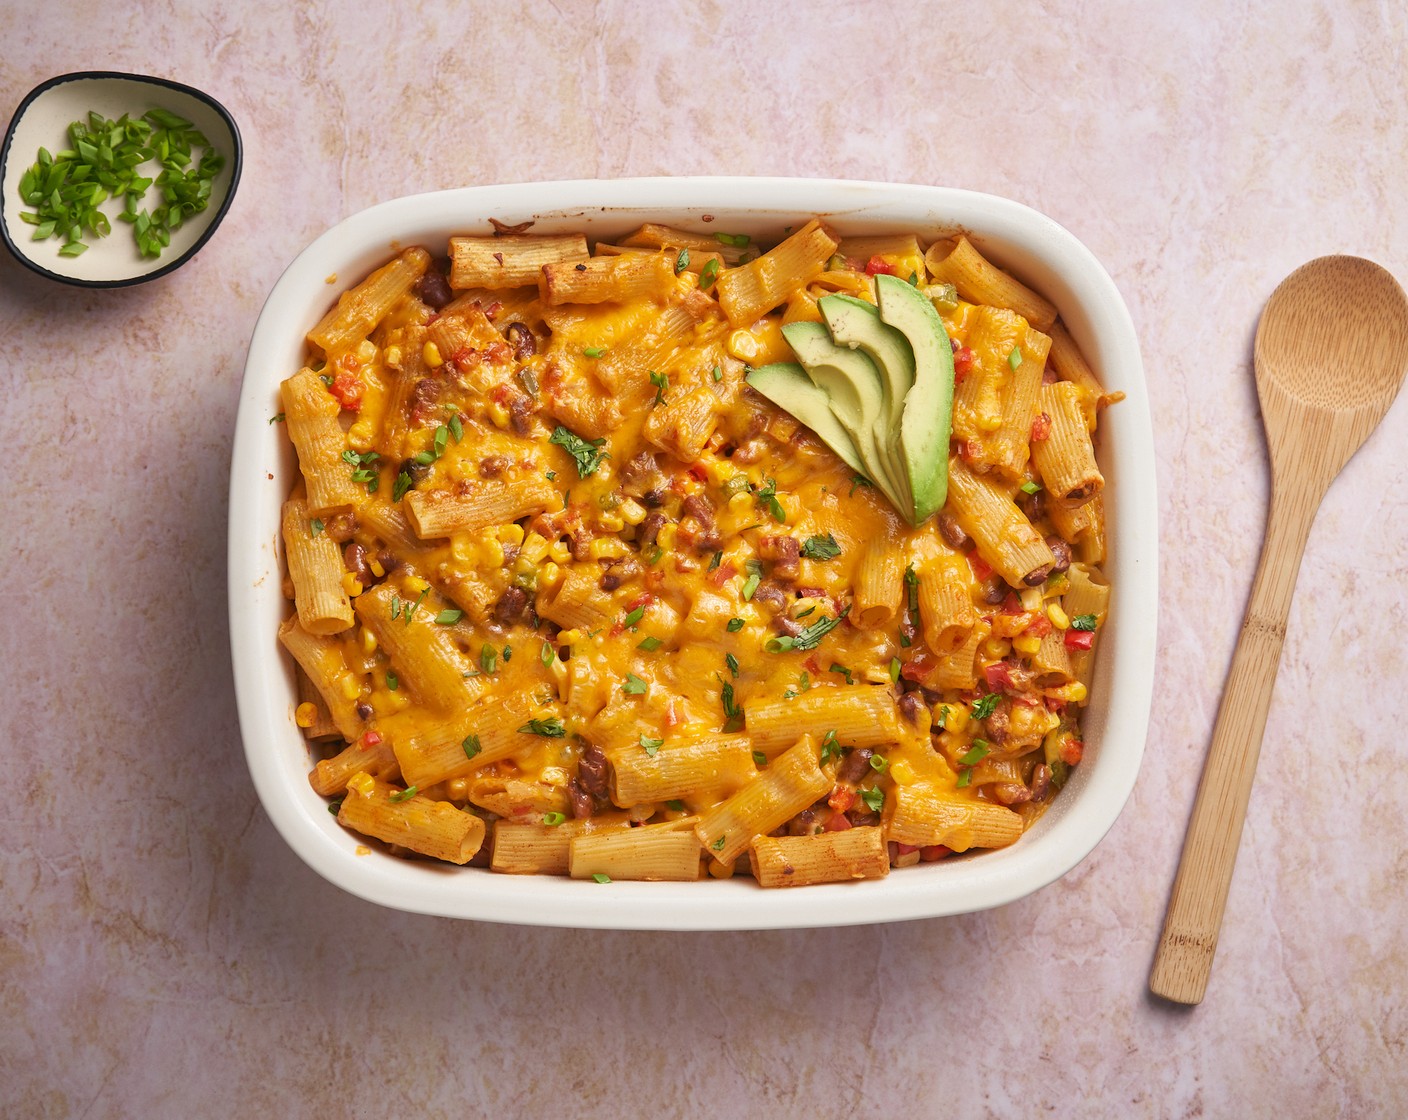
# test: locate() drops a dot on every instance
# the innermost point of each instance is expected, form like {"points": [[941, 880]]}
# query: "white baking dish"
{"points": [[1035, 248]]}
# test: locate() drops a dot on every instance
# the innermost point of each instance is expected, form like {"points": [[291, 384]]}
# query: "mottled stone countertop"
{"points": [[164, 953]]}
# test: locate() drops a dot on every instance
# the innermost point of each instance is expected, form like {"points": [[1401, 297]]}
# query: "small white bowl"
{"points": [[42, 121], [1114, 724]]}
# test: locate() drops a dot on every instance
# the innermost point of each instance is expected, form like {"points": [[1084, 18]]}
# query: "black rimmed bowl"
{"points": [[114, 261]]}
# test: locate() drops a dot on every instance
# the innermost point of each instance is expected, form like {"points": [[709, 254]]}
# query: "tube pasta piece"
{"points": [[920, 814], [315, 567], [424, 654], [1052, 661], [510, 261], [389, 522], [310, 415], [1070, 364], [330, 776], [608, 279], [750, 290], [466, 742], [661, 852], [1004, 536], [696, 260], [1066, 458], [655, 236], [683, 425], [707, 765], [359, 311], [946, 605], [473, 344], [828, 857], [1087, 593], [959, 670], [879, 584], [979, 281], [995, 404], [902, 249], [320, 656], [792, 782], [862, 715], [432, 828], [323, 725], [523, 848], [438, 513], [576, 603], [1083, 526], [405, 368], [626, 367]]}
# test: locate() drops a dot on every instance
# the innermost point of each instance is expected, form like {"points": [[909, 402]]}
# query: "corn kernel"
{"points": [[608, 548], [666, 537], [559, 551], [569, 637], [498, 414], [989, 421], [362, 783], [375, 565], [957, 717], [415, 585], [1057, 616], [361, 435], [511, 533], [349, 686], [392, 357], [493, 552], [1026, 644], [1075, 692], [548, 575], [365, 352], [744, 345], [351, 584], [367, 640], [306, 714], [902, 772], [431, 353], [995, 649], [631, 511], [740, 502], [1031, 598]]}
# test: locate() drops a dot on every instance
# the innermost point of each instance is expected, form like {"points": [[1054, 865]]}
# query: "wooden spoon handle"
{"points": [[1185, 952]]}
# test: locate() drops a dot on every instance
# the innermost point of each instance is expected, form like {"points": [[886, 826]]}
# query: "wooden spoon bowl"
{"points": [[1331, 352]]}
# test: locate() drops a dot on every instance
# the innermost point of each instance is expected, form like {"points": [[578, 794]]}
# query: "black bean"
{"points": [[524, 345], [953, 534], [1061, 550], [354, 556], [434, 289]]}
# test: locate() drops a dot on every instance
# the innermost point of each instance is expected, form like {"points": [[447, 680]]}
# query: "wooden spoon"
{"points": [[1331, 352]]}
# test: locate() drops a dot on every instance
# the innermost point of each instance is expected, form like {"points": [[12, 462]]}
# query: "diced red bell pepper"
{"points": [[918, 667], [348, 390], [1041, 427], [842, 798], [878, 264], [1072, 750], [963, 359], [981, 568], [1080, 639], [998, 676], [837, 822]]}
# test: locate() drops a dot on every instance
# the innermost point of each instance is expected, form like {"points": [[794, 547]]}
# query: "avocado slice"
{"points": [[928, 409], [852, 384], [787, 385], [856, 324]]}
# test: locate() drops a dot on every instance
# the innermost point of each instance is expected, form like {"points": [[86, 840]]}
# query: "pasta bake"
{"points": [[570, 597]]}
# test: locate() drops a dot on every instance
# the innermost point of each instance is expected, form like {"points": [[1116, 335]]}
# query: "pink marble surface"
{"points": [[163, 953]]}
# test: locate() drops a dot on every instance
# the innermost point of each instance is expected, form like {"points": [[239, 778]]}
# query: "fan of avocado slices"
{"points": [[876, 384]]}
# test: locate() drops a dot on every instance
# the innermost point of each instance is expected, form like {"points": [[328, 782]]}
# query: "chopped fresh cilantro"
{"points": [[586, 453], [715, 560], [809, 638], [1084, 622], [546, 728], [661, 383], [983, 705], [874, 799], [821, 548], [315, 527], [830, 746], [651, 745], [735, 625], [732, 663], [401, 485], [682, 261], [835, 668], [767, 499], [634, 686], [718, 845]]}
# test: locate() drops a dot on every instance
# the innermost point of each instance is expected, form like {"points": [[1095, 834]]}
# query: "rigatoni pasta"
{"points": [[569, 598]]}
